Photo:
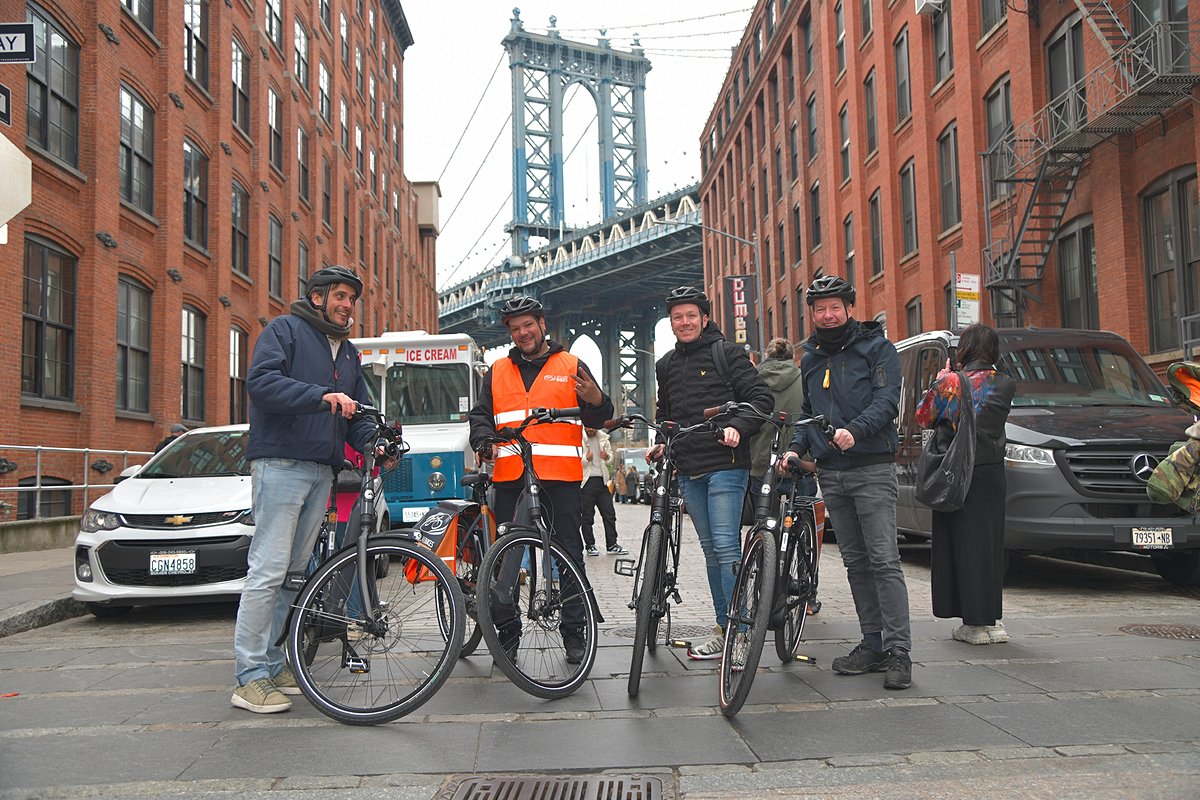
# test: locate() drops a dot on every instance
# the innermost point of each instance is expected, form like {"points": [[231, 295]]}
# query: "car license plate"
{"points": [[413, 514], [179, 562], [1152, 538]]}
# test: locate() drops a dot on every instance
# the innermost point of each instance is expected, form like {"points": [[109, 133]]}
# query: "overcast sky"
{"points": [[457, 51]]}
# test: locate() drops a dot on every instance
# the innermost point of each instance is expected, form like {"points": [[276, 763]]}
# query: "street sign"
{"points": [[16, 42], [18, 180], [5, 105], [966, 299]]}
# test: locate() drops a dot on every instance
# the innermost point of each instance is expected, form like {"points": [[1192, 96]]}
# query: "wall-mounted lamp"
{"points": [[175, 275], [225, 301], [7, 466], [102, 466]]}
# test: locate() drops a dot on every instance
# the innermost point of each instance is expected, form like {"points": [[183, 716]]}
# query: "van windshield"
{"points": [[1097, 374], [428, 393]]}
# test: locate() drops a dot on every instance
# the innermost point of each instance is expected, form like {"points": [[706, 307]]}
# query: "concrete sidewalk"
{"points": [[35, 589]]}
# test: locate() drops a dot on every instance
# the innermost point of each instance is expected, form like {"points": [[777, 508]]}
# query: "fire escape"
{"points": [[1033, 169]]}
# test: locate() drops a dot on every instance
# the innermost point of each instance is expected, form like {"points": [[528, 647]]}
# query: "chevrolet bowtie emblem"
{"points": [[178, 519]]}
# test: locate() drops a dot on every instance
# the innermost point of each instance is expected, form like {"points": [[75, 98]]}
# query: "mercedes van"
{"points": [[1089, 422]]}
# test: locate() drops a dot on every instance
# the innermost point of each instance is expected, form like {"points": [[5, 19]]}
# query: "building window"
{"points": [[839, 27], [358, 70], [239, 215], [866, 17], [814, 214], [345, 116], [48, 324], [371, 24], [137, 151], [358, 149], [943, 45], [806, 34], [362, 237], [1077, 290], [324, 104], [52, 91], [848, 243], [908, 206], [873, 136], [912, 316], [372, 172], [782, 239], [1172, 259], [794, 151], [326, 192], [241, 88], [192, 363], [302, 162], [763, 186], [844, 126], [344, 29], [903, 96], [371, 95], [789, 69], [799, 313], [195, 195], [998, 110], [301, 268], [346, 217], [274, 256], [133, 345], [142, 11], [274, 18], [324, 10], [948, 170], [195, 40], [811, 126], [876, 223], [239, 404], [301, 36], [994, 11], [797, 233], [275, 123], [1065, 86], [44, 503]]}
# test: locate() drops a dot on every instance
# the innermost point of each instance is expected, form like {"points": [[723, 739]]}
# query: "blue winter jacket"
{"points": [[862, 396], [291, 370]]}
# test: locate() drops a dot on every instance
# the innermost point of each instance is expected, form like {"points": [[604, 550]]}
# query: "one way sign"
{"points": [[16, 43]]}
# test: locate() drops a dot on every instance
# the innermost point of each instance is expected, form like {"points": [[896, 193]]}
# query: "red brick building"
{"points": [[848, 139], [193, 162]]}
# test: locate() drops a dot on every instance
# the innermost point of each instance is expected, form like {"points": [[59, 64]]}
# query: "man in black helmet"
{"points": [[713, 471], [300, 359], [851, 375]]}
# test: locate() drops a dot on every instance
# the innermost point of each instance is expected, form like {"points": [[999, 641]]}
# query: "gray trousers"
{"points": [[862, 502]]}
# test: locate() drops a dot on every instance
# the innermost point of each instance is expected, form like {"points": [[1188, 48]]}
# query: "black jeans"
{"points": [[595, 495]]}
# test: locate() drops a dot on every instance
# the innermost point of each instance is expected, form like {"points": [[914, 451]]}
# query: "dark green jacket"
{"points": [[783, 376]]}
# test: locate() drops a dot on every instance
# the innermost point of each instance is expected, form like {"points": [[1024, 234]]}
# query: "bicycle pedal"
{"points": [[357, 665], [294, 581], [681, 643], [804, 659], [625, 566]]}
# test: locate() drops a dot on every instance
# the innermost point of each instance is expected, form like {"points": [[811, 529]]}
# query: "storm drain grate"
{"points": [[607, 787], [677, 631], [1164, 631]]}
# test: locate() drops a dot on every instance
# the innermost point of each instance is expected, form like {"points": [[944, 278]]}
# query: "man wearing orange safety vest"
{"points": [[539, 373]]}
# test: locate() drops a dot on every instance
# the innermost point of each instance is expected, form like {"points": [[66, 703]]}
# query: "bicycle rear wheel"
{"points": [[749, 613], [370, 671], [526, 621], [799, 586], [649, 604]]}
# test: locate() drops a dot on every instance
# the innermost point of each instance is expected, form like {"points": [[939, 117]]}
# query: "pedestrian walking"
{"points": [[597, 494]]}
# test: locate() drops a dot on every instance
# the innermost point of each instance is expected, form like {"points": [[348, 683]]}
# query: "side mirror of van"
{"points": [[128, 472]]}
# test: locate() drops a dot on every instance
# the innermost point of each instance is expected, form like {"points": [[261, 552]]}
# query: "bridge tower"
{"points": [[543, 68]]}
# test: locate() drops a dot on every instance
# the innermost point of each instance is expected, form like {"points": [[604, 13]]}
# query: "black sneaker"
{"points": [[899, 670], [861, 659], [575, 647], [617, 550], [592, 550]]}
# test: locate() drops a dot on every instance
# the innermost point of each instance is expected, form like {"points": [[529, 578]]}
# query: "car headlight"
{"points": [[437, 481], [94, 520], [247, 517], [1024, 455]]}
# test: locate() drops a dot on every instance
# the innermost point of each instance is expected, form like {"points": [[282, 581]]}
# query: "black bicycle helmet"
{"points": [[328, 276], [689, 294], [519, 306], [829, 286]]}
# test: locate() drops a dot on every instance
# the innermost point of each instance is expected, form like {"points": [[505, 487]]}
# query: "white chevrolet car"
{"points": [[176, 530]]}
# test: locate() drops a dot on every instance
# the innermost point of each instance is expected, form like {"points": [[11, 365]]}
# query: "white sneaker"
{"points": [[710, 649], [971, 634], [996, 633]]}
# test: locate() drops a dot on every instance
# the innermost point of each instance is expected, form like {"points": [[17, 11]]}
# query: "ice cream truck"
{"points": [[428, 382]]}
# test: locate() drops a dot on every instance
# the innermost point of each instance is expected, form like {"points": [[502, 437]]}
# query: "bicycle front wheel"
{"points": [[799, 586], [749, 613], [648, 598], [529, 618], [375, 666], [466, 567]]}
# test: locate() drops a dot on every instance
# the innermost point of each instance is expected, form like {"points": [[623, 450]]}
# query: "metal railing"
{"points": [[87, 466]]}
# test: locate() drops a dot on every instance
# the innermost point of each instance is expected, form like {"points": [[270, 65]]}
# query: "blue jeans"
{"points": [[862, 503], [289, 498], [714, 502]]}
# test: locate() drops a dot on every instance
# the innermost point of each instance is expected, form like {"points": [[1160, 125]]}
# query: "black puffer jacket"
{"points": [[688, 383]]}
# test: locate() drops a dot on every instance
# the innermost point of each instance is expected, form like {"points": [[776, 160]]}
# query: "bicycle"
{"points": [[554, 597], [378, 662], [657, 568], [779, 566]]}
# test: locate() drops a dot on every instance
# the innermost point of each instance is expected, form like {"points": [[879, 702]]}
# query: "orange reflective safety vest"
{"points": [[557, 446]]}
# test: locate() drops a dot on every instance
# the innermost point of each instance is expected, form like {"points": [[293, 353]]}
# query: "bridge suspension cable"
{"points": [[467, 127]]}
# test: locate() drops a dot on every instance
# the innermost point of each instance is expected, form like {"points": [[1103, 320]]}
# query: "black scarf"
{"points": [[832, 340], [313, 316]]}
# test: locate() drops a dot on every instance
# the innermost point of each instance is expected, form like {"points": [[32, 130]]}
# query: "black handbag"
{"points": [[944, 476]]}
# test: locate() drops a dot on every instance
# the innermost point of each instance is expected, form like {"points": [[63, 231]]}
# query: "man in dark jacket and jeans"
{"points": [[300, 359], [713, 472], [852, 376]]}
